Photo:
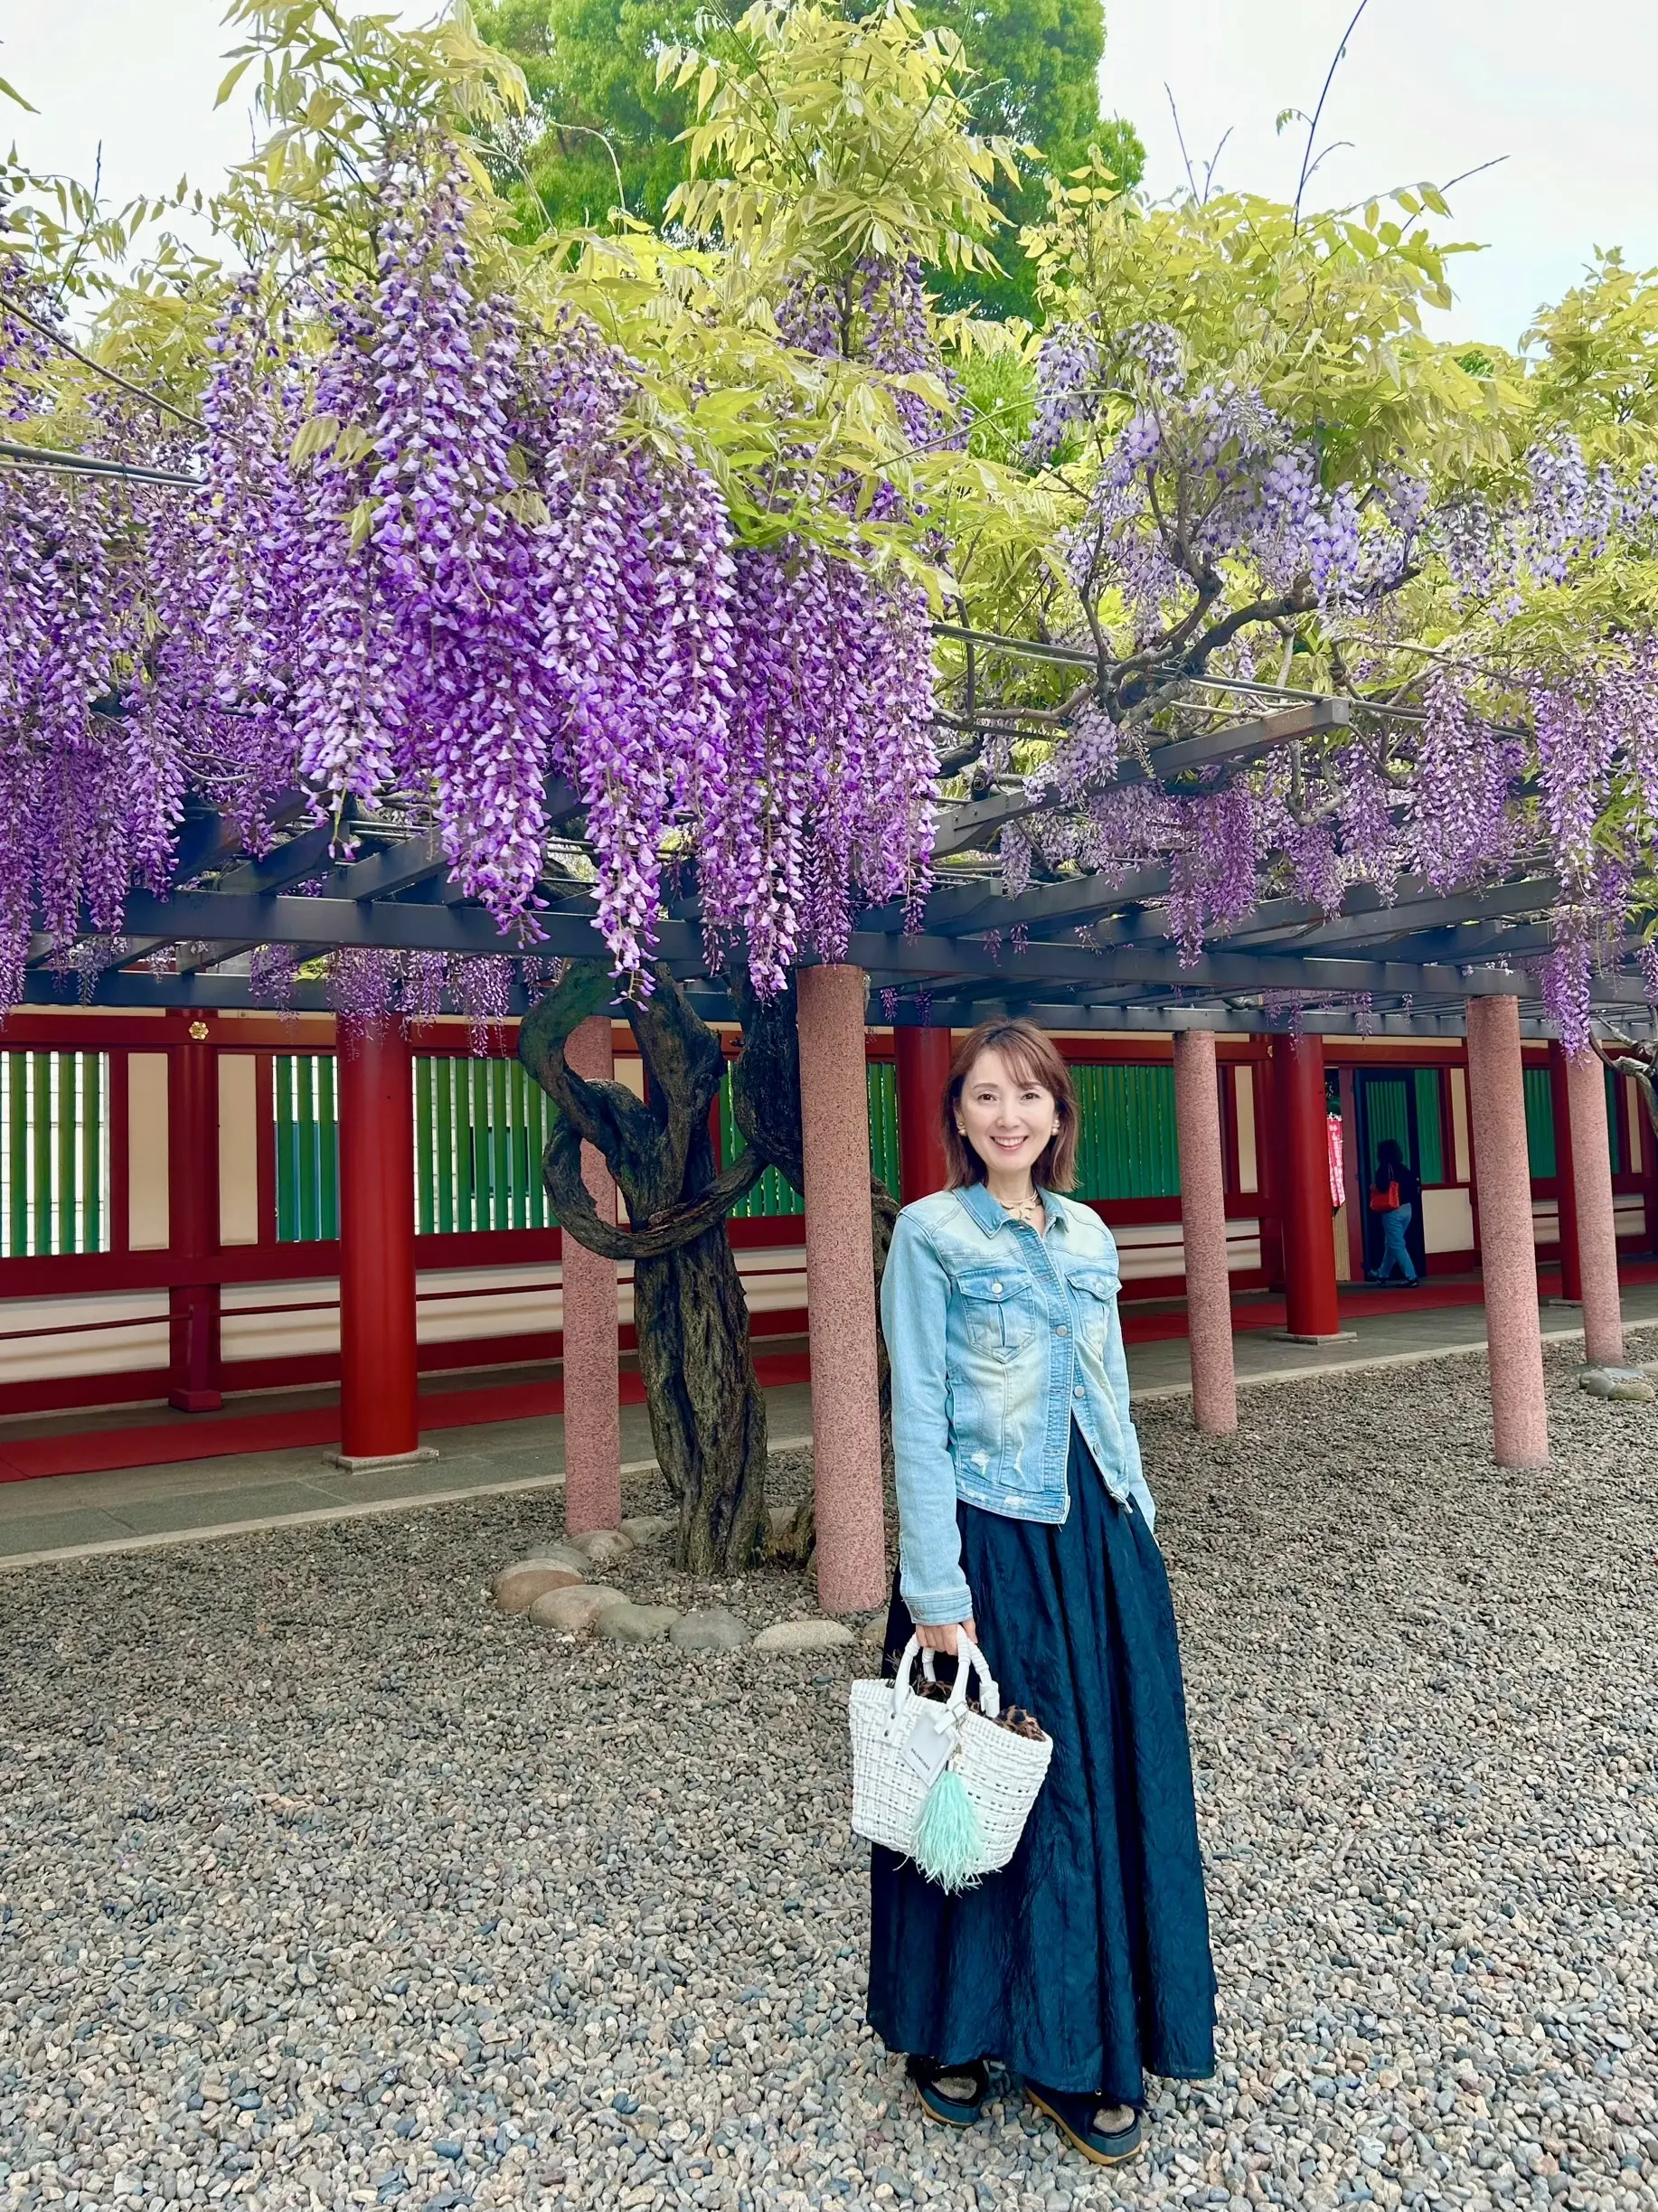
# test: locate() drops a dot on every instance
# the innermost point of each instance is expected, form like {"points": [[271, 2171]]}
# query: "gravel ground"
{"points": [[323, 1883]]}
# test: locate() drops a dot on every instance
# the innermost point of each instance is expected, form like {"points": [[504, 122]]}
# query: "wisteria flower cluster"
{"points": [[92, 772], [483, 581]]}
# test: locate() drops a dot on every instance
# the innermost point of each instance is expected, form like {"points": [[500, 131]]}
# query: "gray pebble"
{"points": [[637, 1623], [442, 1913], [517, 1588], [602, 1546], [558, 1555], [648, 1528], [1622, 1385], [575, 1610], [712, 1628], [817, 1635]]}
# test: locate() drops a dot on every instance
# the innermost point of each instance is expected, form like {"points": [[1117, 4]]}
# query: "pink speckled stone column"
{"points": [[1202, 1220], [1591, 1171], [1497, 1112], [592, 1415], [835, 1114]]}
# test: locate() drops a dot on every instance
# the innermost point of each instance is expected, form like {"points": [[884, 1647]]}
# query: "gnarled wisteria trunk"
{"points": [[707, 1412], [707, 1415]]}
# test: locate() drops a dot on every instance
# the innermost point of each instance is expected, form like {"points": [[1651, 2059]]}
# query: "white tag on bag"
{"points": [[925, 1749]]}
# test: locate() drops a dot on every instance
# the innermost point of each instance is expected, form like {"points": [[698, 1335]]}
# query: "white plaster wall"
{"points": [[147, 1152], [1447, 1220], [278, 1336], [1147, 1248], [101, 1351], [1243, 1099], [1461, 1156], [238, 1180]]}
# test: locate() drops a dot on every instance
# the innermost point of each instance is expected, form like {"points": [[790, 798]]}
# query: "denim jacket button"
{"points": [[1061, 1330], [1078, 1392], [995, 1290]]}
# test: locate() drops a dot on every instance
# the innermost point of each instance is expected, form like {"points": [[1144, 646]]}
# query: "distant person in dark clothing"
{"points": [[1394, 1197]]}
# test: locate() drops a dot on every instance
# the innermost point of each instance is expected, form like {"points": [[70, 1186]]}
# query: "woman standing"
{"points": [[1394, 1195], [1024, 1519]]}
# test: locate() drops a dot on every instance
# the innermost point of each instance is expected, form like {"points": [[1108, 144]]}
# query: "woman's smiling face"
{"points": [[1008, 1119]]}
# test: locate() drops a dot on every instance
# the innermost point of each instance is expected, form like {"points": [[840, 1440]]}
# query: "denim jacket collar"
{"points": [[988, 1213]]}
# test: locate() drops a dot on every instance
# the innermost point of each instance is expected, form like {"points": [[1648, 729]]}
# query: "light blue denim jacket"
{"points": [[999, 1339]]}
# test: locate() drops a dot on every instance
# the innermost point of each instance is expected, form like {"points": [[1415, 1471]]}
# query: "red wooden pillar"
{"points": [[1590, 1152], [592, 1361], [379, 1403], [1202, 1220], [192, 1218], [1497, 1115], [1268, 1167], [923, 1058], [1309, 1247], [1565, 1177], [835, 1116], [1643, 1160]]}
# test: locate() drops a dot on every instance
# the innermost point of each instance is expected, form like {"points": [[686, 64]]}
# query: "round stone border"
{"points": [[549, 1586]]}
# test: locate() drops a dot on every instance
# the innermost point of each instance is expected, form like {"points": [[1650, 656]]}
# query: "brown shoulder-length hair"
{"points": [[1031, 1057]]}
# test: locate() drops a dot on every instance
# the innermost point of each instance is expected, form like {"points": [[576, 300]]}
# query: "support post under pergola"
{"points": [[1313, 1315], [1497, 1110], [1202, 1219], [834, 1117], [380, 1415], [592, 1410], [1588, 1157]]}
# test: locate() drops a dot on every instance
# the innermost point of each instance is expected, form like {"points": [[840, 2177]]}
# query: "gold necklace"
{"points": [[1024, 1208]]}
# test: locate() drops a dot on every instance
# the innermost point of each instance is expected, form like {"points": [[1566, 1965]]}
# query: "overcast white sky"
{"points": [[1569, 92]]}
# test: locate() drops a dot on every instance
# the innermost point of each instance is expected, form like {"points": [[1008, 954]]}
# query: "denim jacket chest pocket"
{"points": [[1092, 1291], [997, 1308]]}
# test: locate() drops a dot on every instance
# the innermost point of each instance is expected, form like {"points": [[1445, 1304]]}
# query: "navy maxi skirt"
{"points": [[1084, 1963]]}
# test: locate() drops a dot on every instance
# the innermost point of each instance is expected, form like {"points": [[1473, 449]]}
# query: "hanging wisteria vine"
{"points": [[433, 562], [449, 566], [1209, 522]]}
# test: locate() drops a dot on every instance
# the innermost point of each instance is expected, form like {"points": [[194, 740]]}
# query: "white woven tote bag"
{"points": [[938, 1782]]}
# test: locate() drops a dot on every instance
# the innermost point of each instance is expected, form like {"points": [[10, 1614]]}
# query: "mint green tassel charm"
{"points": [[949, 1841]]}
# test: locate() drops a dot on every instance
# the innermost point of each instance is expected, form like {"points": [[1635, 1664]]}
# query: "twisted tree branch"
{"points": [[665, 1232]]}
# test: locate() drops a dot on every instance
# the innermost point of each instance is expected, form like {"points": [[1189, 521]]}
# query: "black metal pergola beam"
{"points": [[962, 827], [1089, 950]]}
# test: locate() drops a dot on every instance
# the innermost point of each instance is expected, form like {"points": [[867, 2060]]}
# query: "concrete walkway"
{"points": [[135, 1508]]}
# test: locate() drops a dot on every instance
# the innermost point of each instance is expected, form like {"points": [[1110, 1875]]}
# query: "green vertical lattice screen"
{"points": [[1387, 1113], [480, 1130], [308, 1147], [1615, 1136], [1540, 1123], [54, 1153], [774, 1197], [1430, 1129], [883, 1123], [1540, 1141], [481, 1127], [1126, 1145]]}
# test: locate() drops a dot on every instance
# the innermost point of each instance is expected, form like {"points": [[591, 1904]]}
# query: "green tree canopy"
{"points": [[591, 70]]}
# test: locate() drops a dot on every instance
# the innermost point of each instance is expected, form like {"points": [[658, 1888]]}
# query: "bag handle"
{"points": [[969, 1660]]}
